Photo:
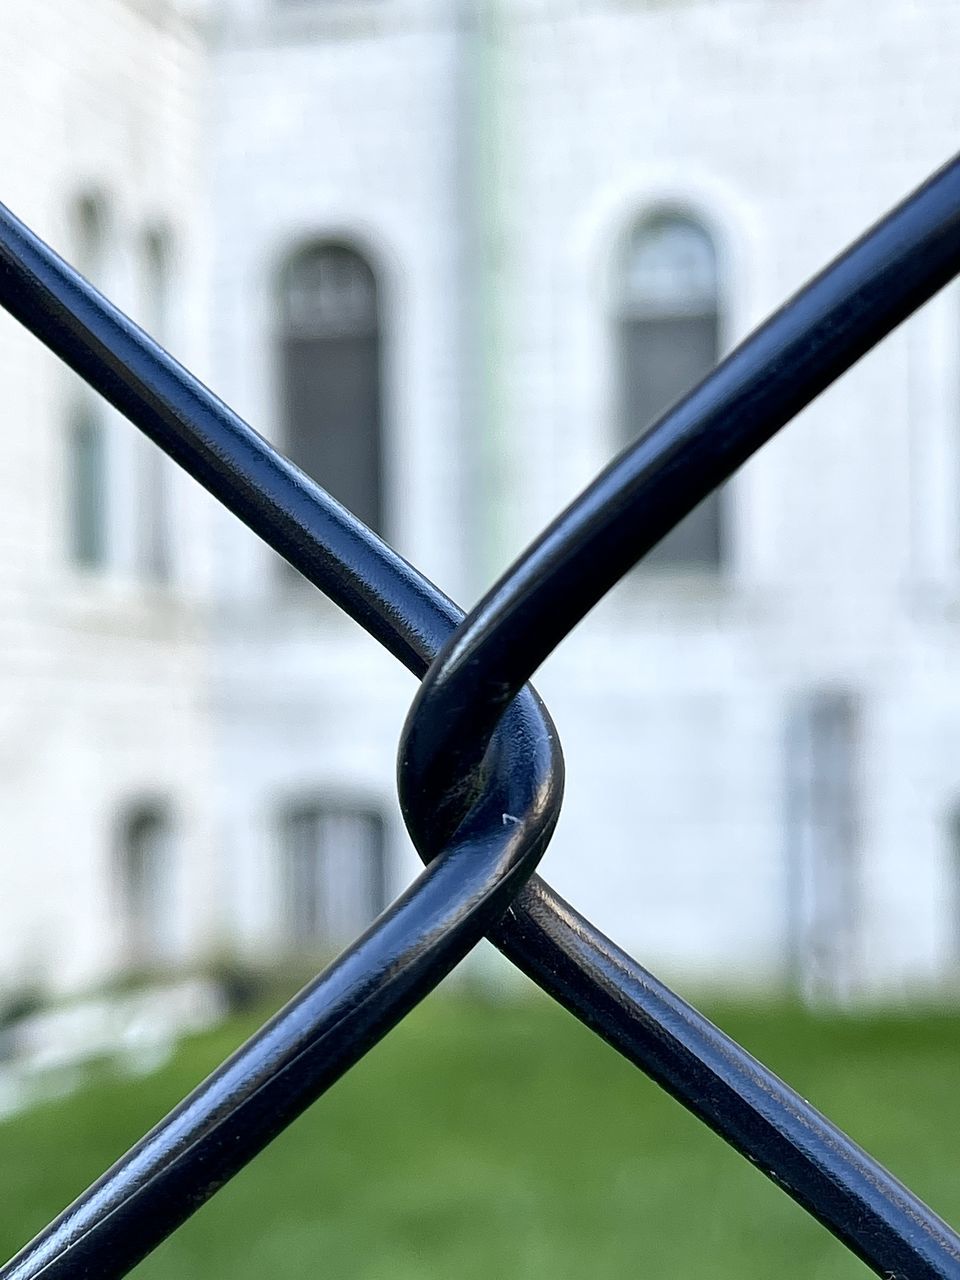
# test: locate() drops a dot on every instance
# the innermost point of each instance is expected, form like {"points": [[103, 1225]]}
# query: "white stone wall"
{"points": [[787, 128], [333, 123], [488, 173], [103, 683]]}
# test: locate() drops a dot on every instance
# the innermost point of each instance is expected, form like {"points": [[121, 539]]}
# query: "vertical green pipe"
{"points": [[479, 176]]}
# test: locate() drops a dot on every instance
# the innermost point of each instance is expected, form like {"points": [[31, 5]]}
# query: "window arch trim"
{"points": [[668, 264]]}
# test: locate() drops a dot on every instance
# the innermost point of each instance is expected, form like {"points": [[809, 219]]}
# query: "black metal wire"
{"points": [[853, 1195], [780, 368], [642, 494], [366, 991], [457, 768]]}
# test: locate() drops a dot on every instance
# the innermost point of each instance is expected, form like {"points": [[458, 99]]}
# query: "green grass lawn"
{"points": [[506, 1141]]}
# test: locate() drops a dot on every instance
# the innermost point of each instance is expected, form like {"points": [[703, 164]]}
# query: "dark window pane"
{"points": [[152, 542], [86, 461], [329, 290], [90, 238], [85, 450], [152, 533], [302, 889], [334, 873], [332, 405], [330, 373], [821, 833], [668, 338], [145, 876], [661, 359]]}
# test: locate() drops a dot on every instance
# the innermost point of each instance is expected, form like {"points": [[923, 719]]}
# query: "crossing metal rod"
{"points": [[695, 446], [229, 1118], [305, 1048], [779, 369], [789, 1140], [374, 585], [853, 1195]]}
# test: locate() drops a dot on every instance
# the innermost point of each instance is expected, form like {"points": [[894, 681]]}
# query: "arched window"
{"points": [[155, 266], [146, 882], [86, 454], [333, 872], [668, 337], [330, 374], [90, 238], [87, 463], [152, 530], [953, 837], [821, 828]]}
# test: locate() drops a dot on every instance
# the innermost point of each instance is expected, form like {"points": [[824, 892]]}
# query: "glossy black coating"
{"points": [[366, 991], [853, 1195], [695, 446], [643, 493], [860, 1202]]}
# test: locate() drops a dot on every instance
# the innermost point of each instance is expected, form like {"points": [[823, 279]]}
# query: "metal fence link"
{"points": [[480, 770], [310, 1043]]}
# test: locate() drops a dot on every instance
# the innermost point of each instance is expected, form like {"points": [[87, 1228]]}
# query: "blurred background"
{"points": [[451, 256]]}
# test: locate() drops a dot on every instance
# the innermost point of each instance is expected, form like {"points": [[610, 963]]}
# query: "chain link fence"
{"points": [[480, 770]]}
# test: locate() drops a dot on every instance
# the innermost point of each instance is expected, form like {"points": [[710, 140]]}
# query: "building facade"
{"points": [[459, 255], [107, 569], [570, 211]]}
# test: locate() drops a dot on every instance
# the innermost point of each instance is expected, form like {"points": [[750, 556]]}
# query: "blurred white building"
{"points": [[460, 256], [541, 221], [105, 728]]}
